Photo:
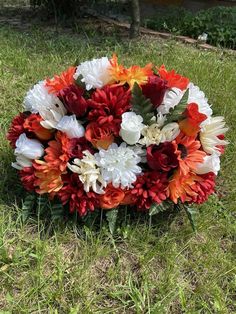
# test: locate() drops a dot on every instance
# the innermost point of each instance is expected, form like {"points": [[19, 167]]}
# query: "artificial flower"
{"points": [[188, 152], [100, 135], [204, 188], [210, 135], [162, 157], [89, 173], [119, 164], [108, 104], [50, 108], [27, 177], [131, 127], [29, 148], [73, 100], [154, 89], [16, 129], [78, 145], [33, 124], [197, 96], [58, 82], [94, 73], [134, 74], [48, 179], [21, 162], [211, 163], [73, 193], [192, 119], [70, 126], [112, 197], [173, 79], [58, 152], [152, 134], [149, 188], [171, 99]]}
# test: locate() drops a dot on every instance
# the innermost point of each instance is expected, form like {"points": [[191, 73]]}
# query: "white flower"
{"points": [[89, 173], [26, 150], [119, 164], [21, 162], [50, 108], [152, 134], [70, 126], [29, 148], [95, 73], [198, 97], [210, 132], [131, 127], [171, 99], [211, 163]]}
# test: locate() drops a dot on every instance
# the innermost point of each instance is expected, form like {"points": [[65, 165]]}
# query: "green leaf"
{"points": [[142, 105], [28, 206], [176, 112], [79, 82], [57, 211], [157, 208], [191, 212], [42, 205], [111, 216]]}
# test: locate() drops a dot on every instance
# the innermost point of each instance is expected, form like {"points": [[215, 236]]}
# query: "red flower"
{"points": [[221, 148], [151, 187], [72, 97], [101, 135], [162, 157], [58, 82], [73, 193], [78, 146], [154, 90], [32, 124], [204, 188], [112, 197], [109, 102], [16, 129], [28, 178], [173, 79], [190, 125]]}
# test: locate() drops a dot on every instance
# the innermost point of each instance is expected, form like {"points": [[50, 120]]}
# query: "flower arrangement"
{"points": [[103, 136]]}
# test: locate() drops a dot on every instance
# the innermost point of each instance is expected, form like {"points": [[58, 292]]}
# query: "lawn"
{"points": [[163, 267]]}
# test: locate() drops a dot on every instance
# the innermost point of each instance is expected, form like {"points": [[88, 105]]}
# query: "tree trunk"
{"points": [[135, 14]]}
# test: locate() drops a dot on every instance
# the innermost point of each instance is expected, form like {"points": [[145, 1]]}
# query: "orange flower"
{"points": [[134, 74], [48, 179], [58, 152], [112, 197], [173, 79], [60, 81], [188, 153], [129, 198], [32, 124], [101, 136], [183, 187], [193, 118]]}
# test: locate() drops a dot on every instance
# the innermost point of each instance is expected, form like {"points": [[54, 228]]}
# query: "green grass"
{"points": [[162, 268]]}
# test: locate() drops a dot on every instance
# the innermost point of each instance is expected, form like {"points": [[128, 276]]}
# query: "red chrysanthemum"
{"points": [[27, 177], [16, 129], [73, 193], [149, 188], [108, 104], [78, 146], [204, 188]]}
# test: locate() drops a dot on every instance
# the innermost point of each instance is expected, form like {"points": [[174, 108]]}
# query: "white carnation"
{"points": [[95, 73], [171, 99], [119, 164], [211, 163]]}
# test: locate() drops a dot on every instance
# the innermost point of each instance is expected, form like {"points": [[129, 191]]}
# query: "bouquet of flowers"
{"points": [[101, 136]]}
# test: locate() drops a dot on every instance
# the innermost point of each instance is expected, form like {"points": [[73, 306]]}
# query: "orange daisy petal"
{"points": [[58, 82]]}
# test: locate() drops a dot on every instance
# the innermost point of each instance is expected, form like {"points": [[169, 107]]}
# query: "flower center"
{"points": [[183, 150]]}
